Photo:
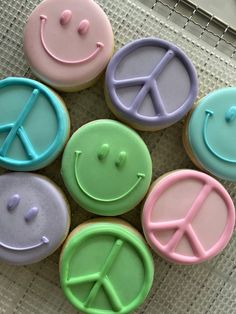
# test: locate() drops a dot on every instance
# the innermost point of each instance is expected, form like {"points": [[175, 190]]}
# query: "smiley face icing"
{"points": [[106, 167], [210, 134], [68, 43], [34, 220]]}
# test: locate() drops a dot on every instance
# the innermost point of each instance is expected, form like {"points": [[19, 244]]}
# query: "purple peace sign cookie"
{"points": [[150, 84]]}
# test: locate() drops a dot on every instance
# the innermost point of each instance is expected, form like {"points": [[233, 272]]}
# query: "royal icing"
{"points": [[68, 43], [188, 217], [34, 218], [34, 124], [101, 170], [105, 268], [139, 79], [211, 132]]}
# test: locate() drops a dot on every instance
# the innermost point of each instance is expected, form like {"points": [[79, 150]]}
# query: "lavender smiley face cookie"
{"points": [[34, 220]]}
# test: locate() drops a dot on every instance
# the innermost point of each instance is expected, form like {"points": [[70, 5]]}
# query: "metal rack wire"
{"points": [[198, 22]]}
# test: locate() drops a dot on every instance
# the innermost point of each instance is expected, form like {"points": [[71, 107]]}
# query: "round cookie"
{"points": [[210, 132], [34, 124], [106, 167], [35, 218], [106, 267], [188, 217], [150, 84], [68, 43]]}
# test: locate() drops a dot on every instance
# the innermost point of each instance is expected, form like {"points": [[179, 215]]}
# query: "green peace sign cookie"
{"points": [[106, 267], [106, 167]]}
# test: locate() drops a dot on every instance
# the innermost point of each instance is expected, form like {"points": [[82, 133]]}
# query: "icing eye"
{"points": [[31, 214], [230, 114], [83, 27], [104, 150], [45, 240], [13, 202], [65, 17], [121, 159]]}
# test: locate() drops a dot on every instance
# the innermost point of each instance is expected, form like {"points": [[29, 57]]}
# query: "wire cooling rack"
{"points": [[209, 288], [199, 22]]}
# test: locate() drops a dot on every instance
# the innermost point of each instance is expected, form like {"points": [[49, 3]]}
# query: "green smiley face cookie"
{"points": [[106, 167]]}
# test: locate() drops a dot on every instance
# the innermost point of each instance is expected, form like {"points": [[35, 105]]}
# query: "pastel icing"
{"points": [[106, 167], [211, 133], [68, 43], [105, 268], [34, 124], [188, 217], [34, 220], [150, 83]]}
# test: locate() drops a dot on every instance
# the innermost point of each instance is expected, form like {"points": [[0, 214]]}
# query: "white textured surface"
{"points": [[207, 288]]}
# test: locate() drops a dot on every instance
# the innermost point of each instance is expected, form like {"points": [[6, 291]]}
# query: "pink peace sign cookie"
{"points": [[188, 217]]}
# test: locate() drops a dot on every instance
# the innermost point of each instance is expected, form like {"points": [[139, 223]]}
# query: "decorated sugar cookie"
{"points": [[35, 218], [106, 167], [210, 131], [68, 43], [150, 84], [188, 217], [106, 267], [34, 124]]}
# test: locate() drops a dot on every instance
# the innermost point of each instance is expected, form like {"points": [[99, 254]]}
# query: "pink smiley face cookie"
{"points": [[68, 43]]}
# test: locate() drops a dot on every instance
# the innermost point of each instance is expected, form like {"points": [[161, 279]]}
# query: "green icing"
{"points": [[34, 124], [106, 167], [211, 133], [106, 268]]}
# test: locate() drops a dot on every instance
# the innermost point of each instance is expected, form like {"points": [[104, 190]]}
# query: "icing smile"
{"points": [[139, 175], [99, 46], [43, 241], [210, 114]]}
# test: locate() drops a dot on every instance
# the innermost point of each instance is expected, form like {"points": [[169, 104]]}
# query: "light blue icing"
{"points": [[211, 133], [33, 124]]}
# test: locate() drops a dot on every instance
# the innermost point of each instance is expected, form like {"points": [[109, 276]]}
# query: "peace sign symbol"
{"points": [[150, 83], [105, 267], [33, 125], [188, 217]]}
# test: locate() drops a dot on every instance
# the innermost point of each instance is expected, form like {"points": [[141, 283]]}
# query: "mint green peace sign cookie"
{"points": [[34, 124], [106, 167], [106, 267]]}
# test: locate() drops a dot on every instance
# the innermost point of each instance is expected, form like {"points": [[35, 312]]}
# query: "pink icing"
{"points": [[68, 43], [99, 45], [83, 27], [65, 17], [188, 217]]}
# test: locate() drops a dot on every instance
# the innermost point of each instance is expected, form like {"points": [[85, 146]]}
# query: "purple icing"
{"points": [[31, 213], [44, 240], [34, 221], [169, 83], [13, 202]]}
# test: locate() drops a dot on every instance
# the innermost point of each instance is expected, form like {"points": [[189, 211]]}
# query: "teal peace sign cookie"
{"points": [[34, 124], [106, 267], [106, 167]]}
